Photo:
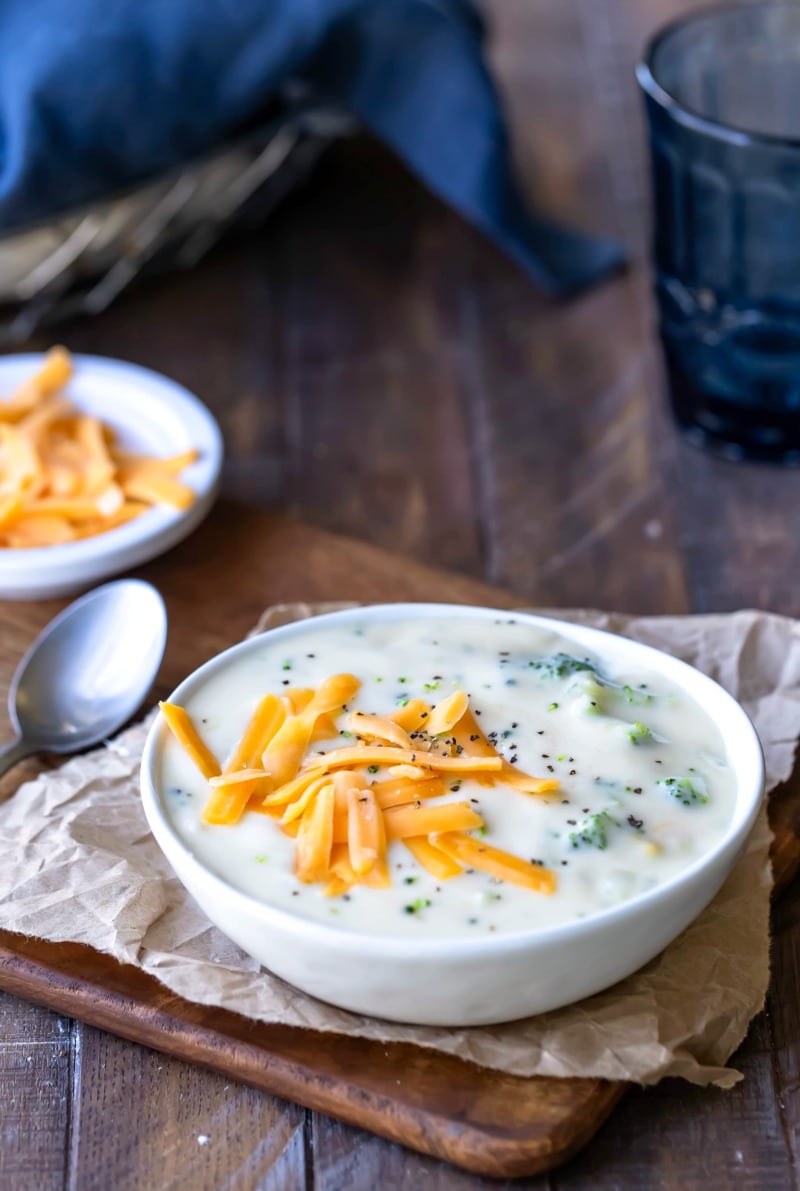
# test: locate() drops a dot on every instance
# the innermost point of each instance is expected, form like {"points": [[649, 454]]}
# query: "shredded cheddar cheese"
{"points": [[63, 476], [341, 821]]}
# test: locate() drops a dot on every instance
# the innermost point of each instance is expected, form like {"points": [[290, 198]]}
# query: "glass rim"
{"points": [[680, 112]]}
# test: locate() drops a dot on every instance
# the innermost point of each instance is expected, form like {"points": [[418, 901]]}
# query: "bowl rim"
{"points": [[156, 529], [750, 793]]}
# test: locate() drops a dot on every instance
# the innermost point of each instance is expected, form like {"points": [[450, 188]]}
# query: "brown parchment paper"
{"points": [[78, 863]]}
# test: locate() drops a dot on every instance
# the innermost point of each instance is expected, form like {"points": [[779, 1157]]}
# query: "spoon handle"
{"points": [[11, 754]]}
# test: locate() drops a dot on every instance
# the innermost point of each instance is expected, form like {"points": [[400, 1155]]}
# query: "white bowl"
{"points": [[151, 415], [475, 981]]}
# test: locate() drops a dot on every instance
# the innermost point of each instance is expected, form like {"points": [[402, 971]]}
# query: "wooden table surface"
{"points": [[378, 369]]}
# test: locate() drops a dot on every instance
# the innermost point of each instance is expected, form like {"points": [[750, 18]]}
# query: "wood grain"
{"points": [[677, 1135], [35, 1092], [551, 467], [480, 1119], [192, 1127], [483, 1120]]}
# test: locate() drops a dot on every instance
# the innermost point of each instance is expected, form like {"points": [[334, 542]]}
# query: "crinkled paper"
{"points": [[78, 863]]}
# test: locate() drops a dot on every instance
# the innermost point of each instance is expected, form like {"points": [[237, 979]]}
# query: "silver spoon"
{"points": [[87, 672]]}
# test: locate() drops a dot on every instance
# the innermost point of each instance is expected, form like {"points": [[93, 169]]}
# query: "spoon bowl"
{"points": [[88, 671]]}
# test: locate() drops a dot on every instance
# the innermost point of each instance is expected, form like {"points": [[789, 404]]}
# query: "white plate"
{"points": [[150, 414]]}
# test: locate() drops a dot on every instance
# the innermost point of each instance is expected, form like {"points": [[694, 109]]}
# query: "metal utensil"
{"points": [[88, 672]]}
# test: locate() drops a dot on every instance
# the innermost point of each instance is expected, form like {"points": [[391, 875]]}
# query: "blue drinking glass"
{"points": [[722, 93]]}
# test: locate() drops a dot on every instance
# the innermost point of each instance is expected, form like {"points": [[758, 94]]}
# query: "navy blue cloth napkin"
{"points": [[98, 94]]}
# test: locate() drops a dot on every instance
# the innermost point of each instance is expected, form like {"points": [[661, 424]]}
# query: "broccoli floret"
{"points": [[637, 696], [416, 907], [685, 790], [638, 733], [593, 830], [560, 665], [589, 694]]}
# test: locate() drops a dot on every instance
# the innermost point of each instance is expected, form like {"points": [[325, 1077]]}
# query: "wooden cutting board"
{"points": [[215, 586]]}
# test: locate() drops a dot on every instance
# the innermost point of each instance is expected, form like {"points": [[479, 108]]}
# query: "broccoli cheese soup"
{"points": [[442, 777]]}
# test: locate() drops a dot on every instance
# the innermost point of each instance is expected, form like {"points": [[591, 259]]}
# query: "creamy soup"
{"points": [[644, 785]]}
